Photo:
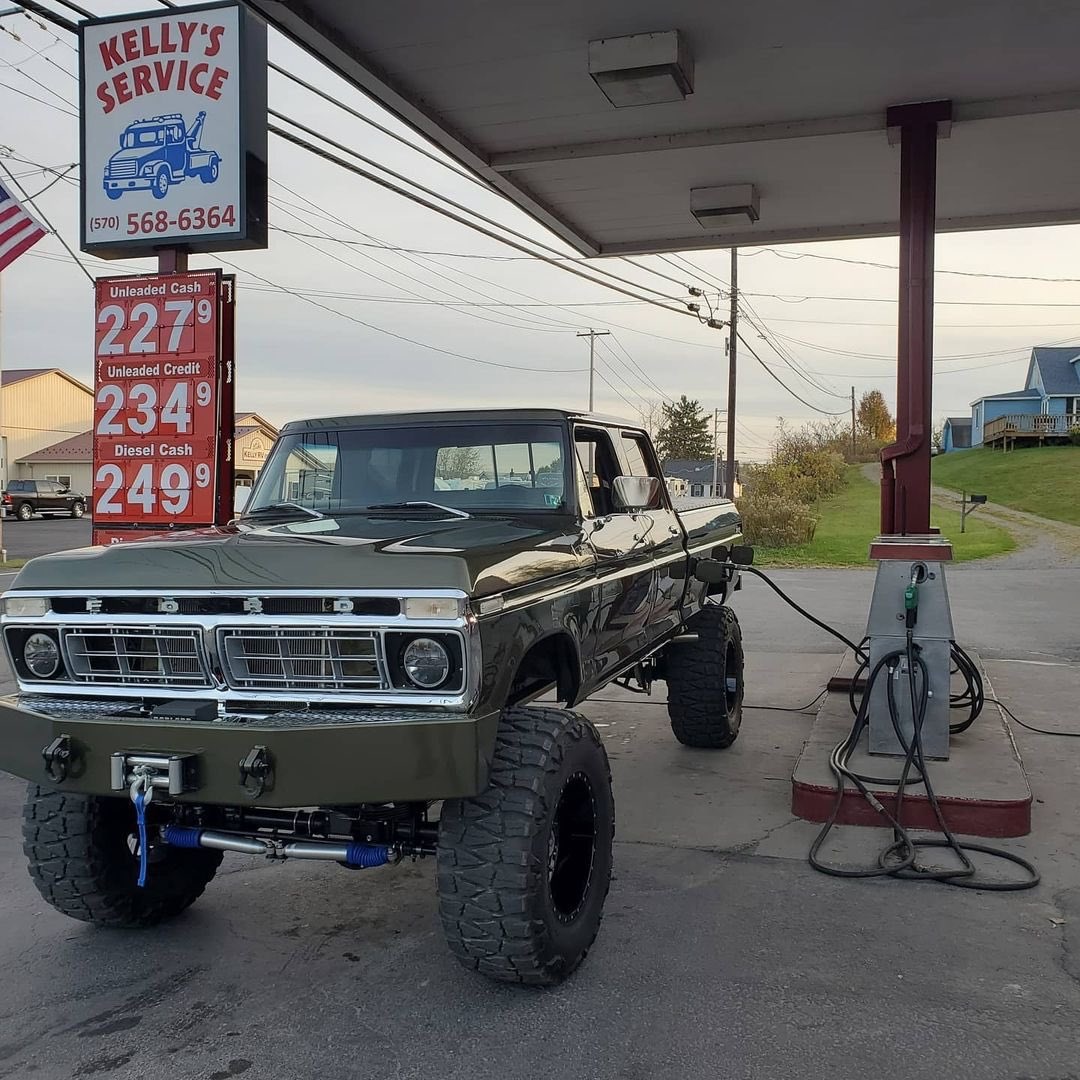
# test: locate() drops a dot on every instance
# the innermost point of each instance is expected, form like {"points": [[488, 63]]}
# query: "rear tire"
{"points": [[80, 861], [524, 867], [705, 681], [25, 512]]}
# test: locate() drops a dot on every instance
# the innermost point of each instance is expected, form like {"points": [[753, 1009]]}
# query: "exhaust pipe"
{"points": [[355, 854]]}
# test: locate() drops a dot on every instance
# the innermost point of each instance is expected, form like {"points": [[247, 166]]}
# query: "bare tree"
{"points": [[458, 462]]}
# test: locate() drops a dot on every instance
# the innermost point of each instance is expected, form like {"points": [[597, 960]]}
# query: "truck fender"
{"points": [[555, 655]]}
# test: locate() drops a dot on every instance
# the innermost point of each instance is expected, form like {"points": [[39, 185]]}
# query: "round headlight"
{"points": [[426, 662], [41, 655]]}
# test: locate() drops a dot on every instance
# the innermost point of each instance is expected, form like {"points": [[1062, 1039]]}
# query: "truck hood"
{"points": [[479, 556], [136, 153]]}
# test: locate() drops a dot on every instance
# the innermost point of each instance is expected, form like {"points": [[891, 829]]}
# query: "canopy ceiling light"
{"points": [[719, 206], [642, 69]]}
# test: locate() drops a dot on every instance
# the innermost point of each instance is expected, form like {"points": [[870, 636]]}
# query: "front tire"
{"points": [[705, 681], [160, 187], [113, 193], [77, 510], [524, 867], [82, 864]]}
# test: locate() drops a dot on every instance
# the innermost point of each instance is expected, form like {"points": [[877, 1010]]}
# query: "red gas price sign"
{"points": [[157, 399]]}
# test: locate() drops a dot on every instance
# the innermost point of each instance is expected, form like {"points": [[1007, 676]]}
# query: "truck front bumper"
{"points": [[129, 183], [307, 758]]}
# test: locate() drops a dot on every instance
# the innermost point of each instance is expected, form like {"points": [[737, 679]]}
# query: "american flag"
{"points": [[19, 229]]}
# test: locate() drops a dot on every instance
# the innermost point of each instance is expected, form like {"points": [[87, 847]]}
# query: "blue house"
{"points": [[956, 434], [1047, 407]]}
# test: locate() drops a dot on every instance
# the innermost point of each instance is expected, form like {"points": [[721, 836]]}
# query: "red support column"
{"points": [[905, 465]]}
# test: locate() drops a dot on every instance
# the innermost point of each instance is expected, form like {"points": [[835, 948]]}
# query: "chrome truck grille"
{"points": [[147, 655], [262, 650], [315, 659], [122, 169]]}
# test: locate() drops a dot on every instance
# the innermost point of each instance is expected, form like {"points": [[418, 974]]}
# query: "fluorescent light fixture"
{"points": [[642, 69], [723, 206]]}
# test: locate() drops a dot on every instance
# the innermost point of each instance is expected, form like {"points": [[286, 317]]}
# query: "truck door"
{"points": [[176, 150], [661, 534], [622, 596]]}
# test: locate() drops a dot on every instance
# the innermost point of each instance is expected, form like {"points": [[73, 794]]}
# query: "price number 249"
{"points": [[171, 494]]}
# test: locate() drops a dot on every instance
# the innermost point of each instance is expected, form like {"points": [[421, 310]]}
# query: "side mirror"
{"points": [[634, 493]]}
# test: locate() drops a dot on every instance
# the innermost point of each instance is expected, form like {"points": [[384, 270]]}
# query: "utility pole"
{"points": [[733, 337], [853, 444], [592, 335], [715, 448]]}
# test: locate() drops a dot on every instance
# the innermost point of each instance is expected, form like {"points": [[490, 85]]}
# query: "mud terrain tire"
{"points": [[705, 681], [80, 861], [524, 867]]}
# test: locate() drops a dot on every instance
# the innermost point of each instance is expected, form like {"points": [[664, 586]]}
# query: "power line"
{"points": [[758, 324], [792, 298], [442, 210], [22, 191], [460, 208], [40, 101], [637, 367], [526, 320], [891, 358], [794, 255], [401, 337], [455, 304], [753, 353]]}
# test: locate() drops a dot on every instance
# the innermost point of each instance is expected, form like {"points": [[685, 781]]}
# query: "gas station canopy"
{"points": [[635, 126]]}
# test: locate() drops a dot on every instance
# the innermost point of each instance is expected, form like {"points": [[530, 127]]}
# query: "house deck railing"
{"points": [[1030, 426]]}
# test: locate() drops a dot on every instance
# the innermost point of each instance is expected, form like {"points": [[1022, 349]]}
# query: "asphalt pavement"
{"points": [[40, 536], [722, 954]]}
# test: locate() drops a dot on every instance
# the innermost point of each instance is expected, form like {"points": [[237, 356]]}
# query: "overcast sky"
{"points": [[305, 357]]}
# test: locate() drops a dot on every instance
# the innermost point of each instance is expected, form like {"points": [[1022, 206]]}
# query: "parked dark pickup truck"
{"points": [[363, 644]]}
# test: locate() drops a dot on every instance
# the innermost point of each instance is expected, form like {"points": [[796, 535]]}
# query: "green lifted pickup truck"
{"points": [[348, 671]]}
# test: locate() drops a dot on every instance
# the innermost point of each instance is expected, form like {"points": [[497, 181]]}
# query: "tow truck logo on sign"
{"points": [[157, 153]]}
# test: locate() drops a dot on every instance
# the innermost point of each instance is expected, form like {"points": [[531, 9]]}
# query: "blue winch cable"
{"points": [[140, 823]]}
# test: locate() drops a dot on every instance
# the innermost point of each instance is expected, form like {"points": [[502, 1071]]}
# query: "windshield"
{"points": [[141, 137], [471, 467]]}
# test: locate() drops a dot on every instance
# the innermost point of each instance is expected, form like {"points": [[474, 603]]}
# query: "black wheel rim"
{"points": [[572, 847], [731, 682]]}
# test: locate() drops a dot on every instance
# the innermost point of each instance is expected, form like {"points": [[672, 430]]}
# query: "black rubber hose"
{"points": [[898, 859], [857, 649]]}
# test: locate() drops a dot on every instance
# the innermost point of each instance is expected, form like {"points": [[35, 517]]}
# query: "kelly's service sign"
{"points": [[173, 131]]}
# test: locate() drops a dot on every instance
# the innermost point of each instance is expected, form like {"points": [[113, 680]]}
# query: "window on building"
{"points": [[63, 479]]}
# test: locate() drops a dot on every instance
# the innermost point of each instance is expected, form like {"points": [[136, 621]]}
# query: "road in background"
{"points": [[41, 536]]}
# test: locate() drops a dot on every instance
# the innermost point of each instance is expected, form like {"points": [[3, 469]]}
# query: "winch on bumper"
{"points": [[313, 757]]}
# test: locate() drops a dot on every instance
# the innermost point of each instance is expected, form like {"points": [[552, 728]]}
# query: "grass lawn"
{"points": [[1043, 480], [12, 564], [848, 521]]}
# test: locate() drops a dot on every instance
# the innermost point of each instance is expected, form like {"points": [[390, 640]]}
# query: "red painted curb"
{"points": [[969, 817]]}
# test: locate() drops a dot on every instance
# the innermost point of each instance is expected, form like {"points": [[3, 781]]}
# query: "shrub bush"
{"points": [[1074, 435], [774, 520]]}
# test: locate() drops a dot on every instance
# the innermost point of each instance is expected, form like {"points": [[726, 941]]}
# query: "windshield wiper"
{"points": [[280, 507], [420, 503]]}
